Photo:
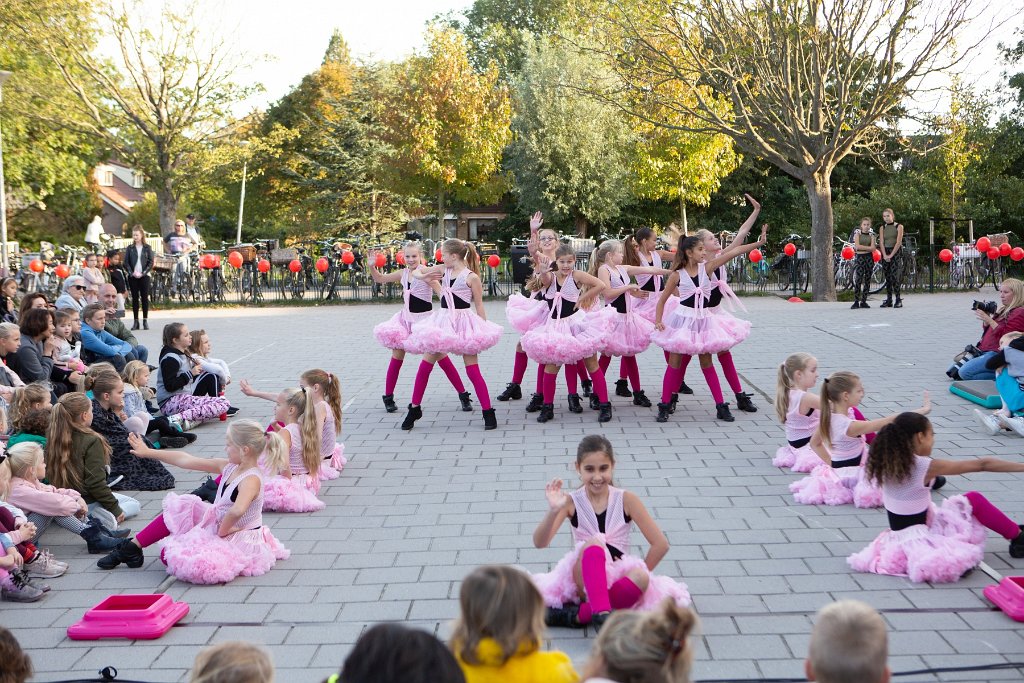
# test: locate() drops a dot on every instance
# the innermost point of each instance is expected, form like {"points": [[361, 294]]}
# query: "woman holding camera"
{"points": [[1009, 317]]}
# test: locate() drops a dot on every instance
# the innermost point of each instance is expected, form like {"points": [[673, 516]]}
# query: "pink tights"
{"points": [[992, 517], [622, 594]]}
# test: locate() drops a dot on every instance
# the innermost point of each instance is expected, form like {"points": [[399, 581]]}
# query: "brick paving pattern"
{"points": [[414, 511]]}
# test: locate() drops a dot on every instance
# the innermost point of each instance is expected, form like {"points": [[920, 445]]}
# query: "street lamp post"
{"points": [[241, 200], [4, 259]]}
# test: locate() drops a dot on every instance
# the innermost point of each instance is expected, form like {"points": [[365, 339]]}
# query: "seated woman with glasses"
{"points": [[74, 294]]}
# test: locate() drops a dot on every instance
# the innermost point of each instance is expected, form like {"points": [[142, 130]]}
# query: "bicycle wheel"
{"points": [[877, 279], [299, 285], [982, 269]]}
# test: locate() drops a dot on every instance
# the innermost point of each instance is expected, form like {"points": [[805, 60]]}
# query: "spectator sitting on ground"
{"points": [[232, 662], [216, 374], [30, 301], [10, 342], [98, 345], [17, 667], [73, 295], [1009, 317], [108, 297], [849, 644], [31, 428], [8, 300], [33, 361], [393, 653]]}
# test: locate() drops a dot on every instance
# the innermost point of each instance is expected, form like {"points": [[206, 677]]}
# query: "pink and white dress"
{"points": [[333, 453], [691, 328], [829, 485], [800, 427], [558, 587], [568, 334], [300, 474], [526, 312], [738, 328], [629, 333], [416, 307], [938, 551], [195, 552], [295, 493], [653, 284], [455, 327]]}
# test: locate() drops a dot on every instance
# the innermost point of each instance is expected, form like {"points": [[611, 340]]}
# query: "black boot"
{"points": [[145, 324], [512, 392], [135, 325], [597, 621], [588, 387], [723, 412], [415, 413], [566, 616], [887, 303], [606, 412], [1017, 545], [97, 541], [640, 399], [856, 304], [683, 389], [536, 401], [389, 403], [622, 388], [899, 303], [490, 421], [595, 402], [575, 405], [938, 482], [664, 410], [672, 403], [744, 403], [547, 412], [864, 303], [126, 552], [466, 401]]}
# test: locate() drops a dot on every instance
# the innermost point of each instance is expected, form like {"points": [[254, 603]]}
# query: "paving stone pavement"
{"points": [[413, 512]]}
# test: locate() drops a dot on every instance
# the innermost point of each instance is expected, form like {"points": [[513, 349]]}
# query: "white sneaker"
{"points": [[1014, 424], [989, 424], [45, 566]]}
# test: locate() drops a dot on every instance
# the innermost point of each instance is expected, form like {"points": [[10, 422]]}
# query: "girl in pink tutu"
{"points": [[798, 410], [417, 306], [926, 542], [629, 333], [301, 435], [209, 543], [460, 327], [599, 574], [840, 442], [571, 333], [691, 328], [324, 390]]}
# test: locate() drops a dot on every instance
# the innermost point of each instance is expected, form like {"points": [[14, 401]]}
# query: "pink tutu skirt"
{"points": [[939, 552], [629, 334], [801, 459], [287, 495], [691, 331], [308, 482], [331, 467], [828, 486], [648, 308], [525, 313], [458, 331], [558, 587], [564, 341], [392, 333], [196, 554]]}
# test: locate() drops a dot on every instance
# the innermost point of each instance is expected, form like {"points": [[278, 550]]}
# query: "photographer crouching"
{"points": [[1008, 317]]}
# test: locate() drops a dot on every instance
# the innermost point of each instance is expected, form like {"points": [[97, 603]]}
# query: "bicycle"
{"points": [[214, 280], [785, 264]]}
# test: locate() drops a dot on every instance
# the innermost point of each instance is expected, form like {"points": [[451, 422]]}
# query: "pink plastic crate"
{"points": [[143, 617], [1008, 595]]}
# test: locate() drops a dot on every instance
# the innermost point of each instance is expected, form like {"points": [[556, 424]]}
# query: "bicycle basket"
{"points": [[164, 262], [282, 257], [247, 251]]}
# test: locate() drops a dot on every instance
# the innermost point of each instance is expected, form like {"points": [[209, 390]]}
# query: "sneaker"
{"points": [[389, 403], [20, 590], [536, 401], [490, 420], [173, 442], [45, 566], [126, 552], [114, 480], [97, 541], [188, 436], [640, 399], [1014, 424], [1017, 545], [575, 404], [566, 616], [988, 422], [232, 411], [722, 412], [513, 392], [466, 401], [622, 388], [744, 403]]}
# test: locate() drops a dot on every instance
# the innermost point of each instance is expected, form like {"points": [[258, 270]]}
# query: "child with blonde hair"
{"points": [[849, 644], [301, 437], [34, 396], [216, 374], [324, 390], [798, 410], [232, 662], [135, 413], [20, 558], [500, 628]]}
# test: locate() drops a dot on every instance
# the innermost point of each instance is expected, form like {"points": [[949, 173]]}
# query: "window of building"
{"points": [[107, 177], [137, 179]]}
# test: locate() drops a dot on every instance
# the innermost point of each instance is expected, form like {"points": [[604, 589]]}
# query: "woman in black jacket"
{"points": [[138, 261]]}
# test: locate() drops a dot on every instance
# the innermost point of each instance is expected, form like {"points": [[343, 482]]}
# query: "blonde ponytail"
{"points": [[793, 363], [832, 389]]}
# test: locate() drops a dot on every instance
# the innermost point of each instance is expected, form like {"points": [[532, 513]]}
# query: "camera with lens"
{"points": [[987, 306]]}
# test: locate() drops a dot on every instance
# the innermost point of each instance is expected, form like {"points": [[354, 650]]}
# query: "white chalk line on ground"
{"points": [[252, 353]]}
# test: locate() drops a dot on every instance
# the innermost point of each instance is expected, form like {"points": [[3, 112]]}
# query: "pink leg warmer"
{"points": [[479, 386], [623, 368], [992, 517], [595, 579], [633, 371], [682, 367], [603, 362], [600, 386], [581, 369], [550, 379], [540, 379], [711, 376], [624, 593], [571, 375], [153, 532], [420, 385], [452, 373], [670, 383], [519, 367], [394, 367], [729, 370]]}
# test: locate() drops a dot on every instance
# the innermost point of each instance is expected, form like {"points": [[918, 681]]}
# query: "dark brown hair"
{"points": [[35, 321], [17, 667], [500, 603], [685, 244], [631, 248], [891, 454]]}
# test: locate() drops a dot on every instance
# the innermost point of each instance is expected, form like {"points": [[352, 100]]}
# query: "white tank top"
{"points": [[799, 425]]}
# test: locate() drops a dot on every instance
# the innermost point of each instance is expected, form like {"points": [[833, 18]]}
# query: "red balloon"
{"points": [[946, 255], [62, 271], [36, 266], [1005, 249], [993, 253], [437, 256], [493, 260], [400, 258], [795, 300], [206, 261], [756, 255], [1017, 253], [789, 249], [263, 266], [322, 265], [347, 257], [216, 261], [847, 253], [876, 256], [380, 261], [235, 259], [295, 265], [983, 244]]}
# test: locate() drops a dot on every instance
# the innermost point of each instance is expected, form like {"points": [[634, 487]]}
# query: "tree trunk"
{"points": [[819, 192], [167, 206], [440, 212], [581, 223]]}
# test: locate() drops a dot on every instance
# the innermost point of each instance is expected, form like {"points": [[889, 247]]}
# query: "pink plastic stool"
{"points": [[142, 617], [1008, 595]]}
